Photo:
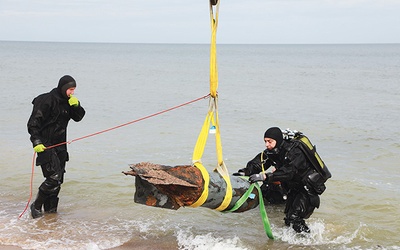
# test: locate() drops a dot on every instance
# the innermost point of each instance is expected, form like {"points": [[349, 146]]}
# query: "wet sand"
{"points": [[5, 247], [165, 243], [134, 244], [147, 246]]}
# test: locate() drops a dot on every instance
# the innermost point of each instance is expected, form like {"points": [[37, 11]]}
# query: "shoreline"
{"points": [[10, 247], [132, 244]]}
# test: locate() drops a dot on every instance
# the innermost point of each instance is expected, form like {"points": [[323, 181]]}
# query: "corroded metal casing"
{"points": [[173, 187]]}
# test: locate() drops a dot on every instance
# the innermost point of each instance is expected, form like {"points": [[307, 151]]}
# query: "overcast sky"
{"points": [[188, 21]]}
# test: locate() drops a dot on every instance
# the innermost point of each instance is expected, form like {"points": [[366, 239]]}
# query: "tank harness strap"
{"points": [[308, 143], [312, 155], [262, 162]]}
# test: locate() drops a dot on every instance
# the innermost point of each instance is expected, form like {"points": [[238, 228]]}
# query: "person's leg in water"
{"points": [[47, 196], [48, 192], [301, 207]]}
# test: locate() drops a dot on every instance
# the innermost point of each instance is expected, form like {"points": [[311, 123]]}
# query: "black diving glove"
{"points": [[257, 177], [240, 172]]}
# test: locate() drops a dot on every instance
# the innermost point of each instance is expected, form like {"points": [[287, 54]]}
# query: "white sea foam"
{"points": [[190, 241]]}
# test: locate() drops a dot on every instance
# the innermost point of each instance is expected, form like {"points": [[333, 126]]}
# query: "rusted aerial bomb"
{"points": [[173, 187]]}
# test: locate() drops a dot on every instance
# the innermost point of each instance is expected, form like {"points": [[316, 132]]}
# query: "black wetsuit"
{"points": [[292, 169], [48, 125]]}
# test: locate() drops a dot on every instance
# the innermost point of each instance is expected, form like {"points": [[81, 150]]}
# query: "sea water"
{"points": [[345, 98]]}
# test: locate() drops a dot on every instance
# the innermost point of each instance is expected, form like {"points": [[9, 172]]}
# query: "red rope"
{"points": [[30, 193], [101, 132]]}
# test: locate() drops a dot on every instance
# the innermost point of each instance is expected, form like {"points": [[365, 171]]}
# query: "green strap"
{"points": [[263, 212], [242, 199]]}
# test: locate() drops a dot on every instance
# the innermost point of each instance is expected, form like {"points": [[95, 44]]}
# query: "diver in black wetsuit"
{"points": [[292, 168], [47, 126]]}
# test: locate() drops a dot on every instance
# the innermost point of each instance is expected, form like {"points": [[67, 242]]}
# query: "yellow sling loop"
{"points": [[212, 120]]}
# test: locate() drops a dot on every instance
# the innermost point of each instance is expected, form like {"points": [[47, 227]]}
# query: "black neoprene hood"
{"points": [[274, 133], [65, 83]]}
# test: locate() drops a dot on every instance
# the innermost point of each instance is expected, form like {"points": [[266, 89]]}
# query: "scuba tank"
{"points": [[317, 179]]}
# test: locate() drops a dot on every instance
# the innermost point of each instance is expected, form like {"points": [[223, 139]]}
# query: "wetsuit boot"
{"points": [[50, 204], [298, 225], [36, 213], [36, 206]]}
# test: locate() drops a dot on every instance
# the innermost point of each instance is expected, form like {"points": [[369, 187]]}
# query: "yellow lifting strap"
{"points": [[212, 121], [213, 50]]}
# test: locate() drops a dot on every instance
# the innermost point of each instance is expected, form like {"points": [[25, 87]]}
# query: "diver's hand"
{"points": [[73, 101], [257, 177], [39, 148]]}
